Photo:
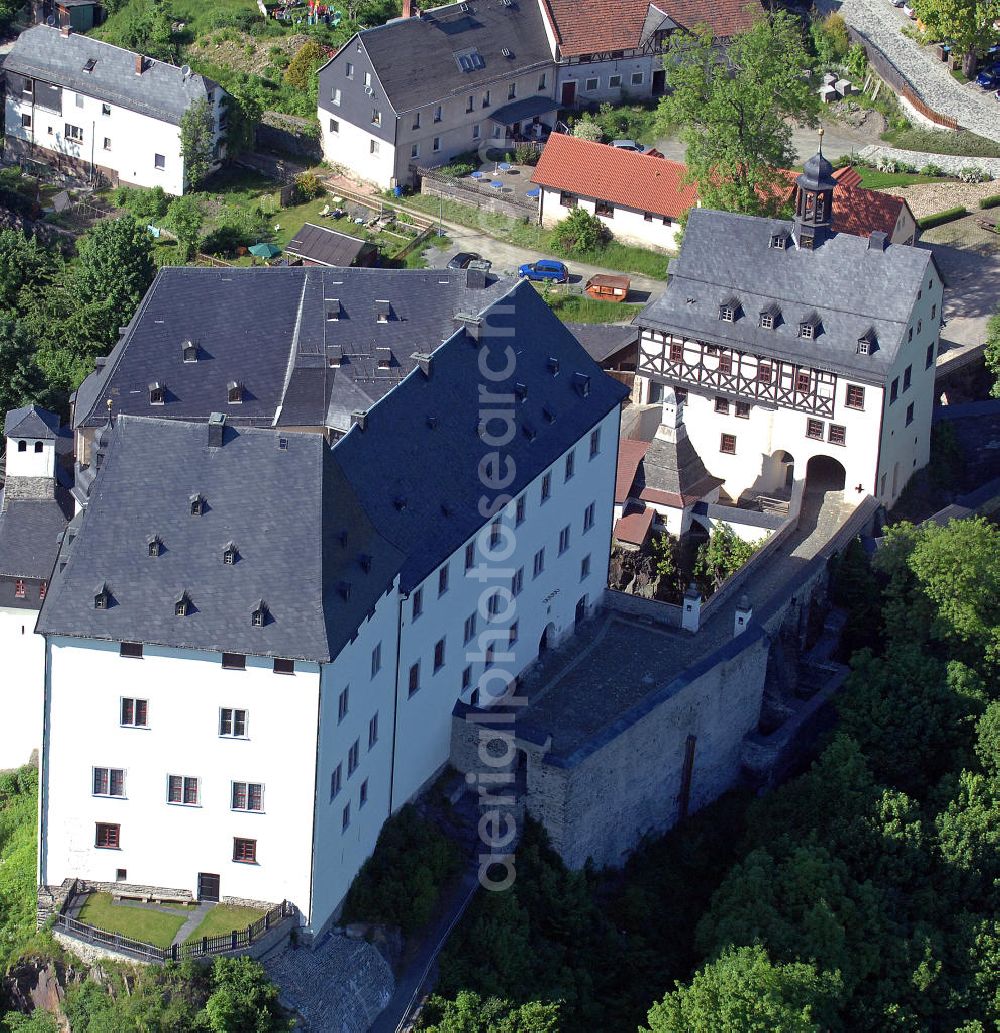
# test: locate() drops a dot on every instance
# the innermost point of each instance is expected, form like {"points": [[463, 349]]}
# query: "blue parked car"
{"points": [[989, 77], [545, 269]]}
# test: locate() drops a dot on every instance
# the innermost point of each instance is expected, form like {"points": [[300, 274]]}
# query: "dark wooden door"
{"points": [[208, 886], [568, 97]]}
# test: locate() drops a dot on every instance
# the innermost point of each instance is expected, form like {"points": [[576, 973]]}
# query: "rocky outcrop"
{"points": [[39, 983]]}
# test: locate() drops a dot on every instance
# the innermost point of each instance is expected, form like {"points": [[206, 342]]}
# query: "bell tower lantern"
{"points": [[814, 200]]}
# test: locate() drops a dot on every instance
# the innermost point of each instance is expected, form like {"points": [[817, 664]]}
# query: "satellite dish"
{"points": [[369, 91], [51, 21], [185, 71]]}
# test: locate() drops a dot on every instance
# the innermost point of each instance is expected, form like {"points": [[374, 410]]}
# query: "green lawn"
{"points": [[936, 141], [875, 180], [575, 309], [224, 918], [623, 258], [138, 923]]}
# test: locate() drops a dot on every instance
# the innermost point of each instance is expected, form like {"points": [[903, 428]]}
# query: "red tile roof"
{"points": [[847, 176], [591, 26], [630, 455], [614, 174], [633, 528], [857, 209]]}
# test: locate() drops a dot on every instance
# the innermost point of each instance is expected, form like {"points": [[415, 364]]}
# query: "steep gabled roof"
{"points": [[615, 174], [29, 535], [162, 91], [31, 421]]}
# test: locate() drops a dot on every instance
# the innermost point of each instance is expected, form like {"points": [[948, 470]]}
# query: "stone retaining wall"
{"points": [[952, 164], [653, 610]]}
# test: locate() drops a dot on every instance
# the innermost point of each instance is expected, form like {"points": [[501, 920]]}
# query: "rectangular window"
{"points": [[438, 655], [929, 361], [512, 634], [588, 517], [26, 121], [335, 100], [495, 532], [539, 562], [373, 730], [336, 779], [415, 678], [742, 410], [415, 150], [438, 114], [570, 465], [353, 757], [722, 406], [470, 555], [466, 678], [592, 83], [377, 659], [107, 143], [764, 373], [373, 147], [282, 665], [855, 397], [245, 851], [894, 390], [614, 82], [105, 109], [41, 597], [725, 364], [814, 429], [342, 704], [159, 162], [79, 100], [563, 540], [512, 91], [232, 723], [493, 604], [676, 351], [486, 99], [20, 591], [803, 381], [519, 510], [368, 78], [907, 376], [134, 712], [837, 435], [546, 487], [543, 80], [334, 126], [909, 414], [436, 146], [728, 444], [363, 795], [182, 789], [475, 131], [605, 209], [585, 567], [109, 781], [345, 818], [567, 199], [443, 580], [349, 69], [517, 582], [107, 837], [490, 655], [247, 796], [74, 133], [470, 628], [234, 661], [637, 78], [470, 104], [418, 603], [595, 442]]}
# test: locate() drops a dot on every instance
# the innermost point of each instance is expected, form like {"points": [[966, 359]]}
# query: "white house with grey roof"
{"points": [[788, 345], [34, 511], [424, 558], [89, 107]]}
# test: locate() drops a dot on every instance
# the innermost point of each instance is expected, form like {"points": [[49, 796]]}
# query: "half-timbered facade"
{"points": [[785, 341]]}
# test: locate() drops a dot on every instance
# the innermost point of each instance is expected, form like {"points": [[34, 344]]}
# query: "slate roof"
{"points": [[589, 26], [268, 330], [601, 341], [288, 541], [850, 286], [29, 535], [415, 58], [325, 246], [160, 92], [31, 421], [673, 474], [426, 500], [403, 491], [615, 174]]}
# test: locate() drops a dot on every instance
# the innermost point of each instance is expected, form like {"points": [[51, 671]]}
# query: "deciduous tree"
{"points": [[197, 142], [969, 25]]}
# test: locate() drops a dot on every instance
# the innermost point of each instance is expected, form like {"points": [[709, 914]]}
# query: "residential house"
{"points": [[639, 198], [861, 211], [34, 511], [213, 560], [86, 106], [796, 349]]}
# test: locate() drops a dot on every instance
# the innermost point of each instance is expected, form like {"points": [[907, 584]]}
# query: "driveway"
{"points": [[507, 257]]}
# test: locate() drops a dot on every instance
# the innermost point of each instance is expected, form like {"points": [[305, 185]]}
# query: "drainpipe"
{"points": [[395, 703]]}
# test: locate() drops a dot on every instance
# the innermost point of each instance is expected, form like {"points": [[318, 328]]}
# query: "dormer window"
{"points": [[520, 391], [157, 393], [779, 241], [728, 310], [809, 328], [197, 505], [553, 366], [183, 606], [383, 357], [155, 545], [769, 317], [259, 615], [190, 351], [333, 310], [806, 331], [102, 598], [383, 311], [234, 391], [230, 555], [868, 342]]}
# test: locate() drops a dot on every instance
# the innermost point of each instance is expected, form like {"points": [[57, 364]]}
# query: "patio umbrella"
{"points": [[265, 250]]}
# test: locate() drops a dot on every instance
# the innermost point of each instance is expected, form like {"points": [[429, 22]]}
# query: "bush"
{"points": [[146, 206], [309, 185], [525, 155], [579, 234], [300, 68], [940, 218], [992, 201], [973, 174], [931, 169], [587, 129]]}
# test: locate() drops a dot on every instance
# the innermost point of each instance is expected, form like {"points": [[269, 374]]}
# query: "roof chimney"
{"points": [[475, 278], [876, 240], [65, 30], [359, 418], [424, 361], [140, 64], [216, 429]]}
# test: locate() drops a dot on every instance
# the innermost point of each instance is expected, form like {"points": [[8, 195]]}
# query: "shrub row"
{"points": [[940, 218], [993, 201]]}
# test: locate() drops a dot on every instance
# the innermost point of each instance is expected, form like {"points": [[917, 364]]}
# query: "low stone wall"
{"points": [[289, 135], [653, 610], [952, 164], [478, 197]]}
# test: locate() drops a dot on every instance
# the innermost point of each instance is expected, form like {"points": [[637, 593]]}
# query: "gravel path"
{"points": [[881, 23], [928, 198]]}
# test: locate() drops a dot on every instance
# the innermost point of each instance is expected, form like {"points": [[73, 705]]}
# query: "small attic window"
{"points": [[529, 432], [383, 356], [234, 392], [779, 241], [333, 310], [366, 562], [197, 505], [809, 328], [868, 342], [728, 310], [553, 366], [90, 65], [190, 351], [334, 355], [520, 391], [157, 393], [230, 555], [582, 384], [102, 598], [383, 311], [345, 589], [258, 615], [155, 545], [548, 414], [183, 606], [770, 317]]}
